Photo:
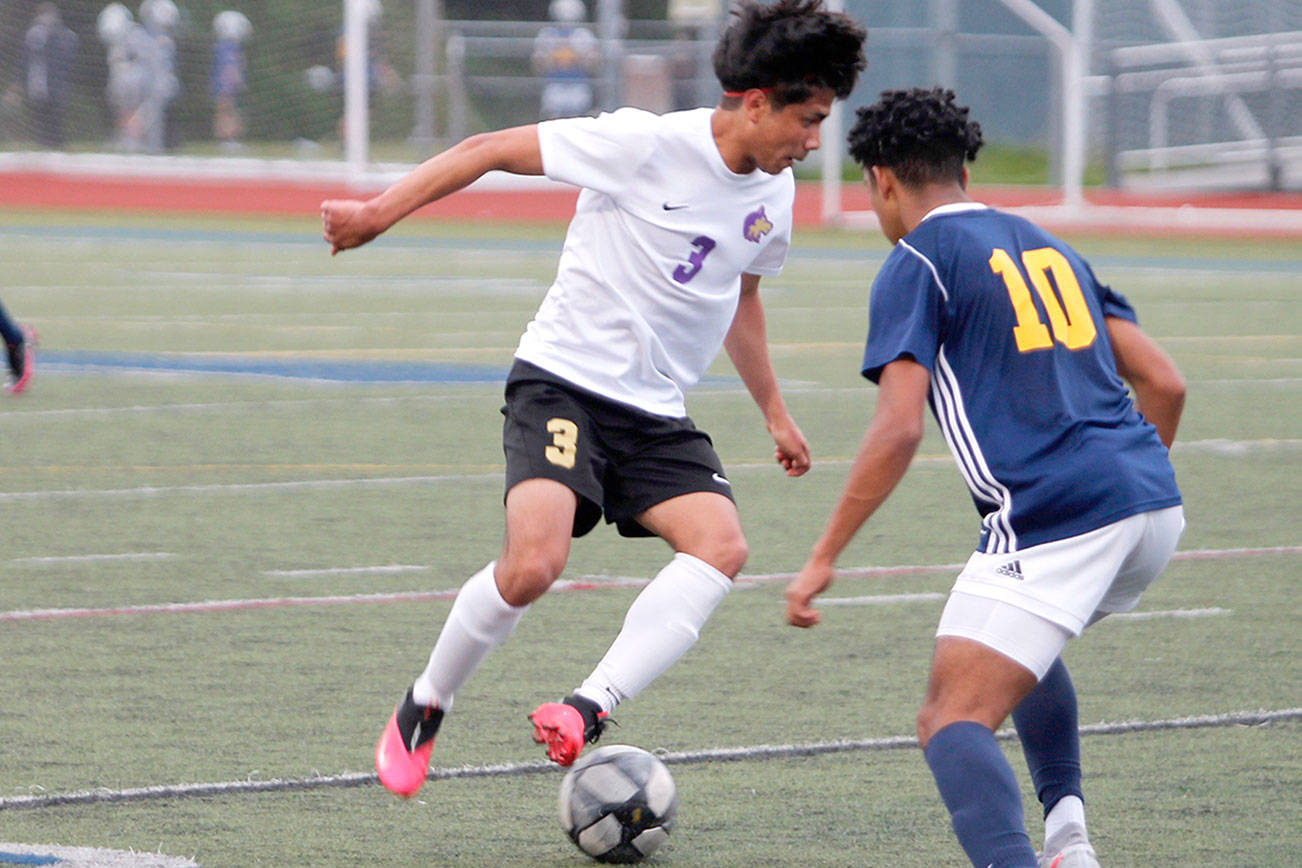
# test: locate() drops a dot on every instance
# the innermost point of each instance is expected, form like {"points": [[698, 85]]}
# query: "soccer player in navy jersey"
{"points": [[20, 352], [680, 216], [1021, 353]]}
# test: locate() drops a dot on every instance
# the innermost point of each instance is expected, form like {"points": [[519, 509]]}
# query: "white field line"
{"points": [[314, 484], [582, 583], [1211, 612], [1217, 554], [468, 392], [879, 599], [225, 406], [693, 757], [247, 487], [382, 569], [1223, 446], [1218, 446], [76, 559]]}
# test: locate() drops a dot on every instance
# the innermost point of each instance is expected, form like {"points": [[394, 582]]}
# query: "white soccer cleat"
{"points": [[1077, 854]]}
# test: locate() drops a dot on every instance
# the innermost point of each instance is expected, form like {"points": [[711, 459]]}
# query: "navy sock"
{"points": [[9, 329], [982, 796], [1046, 723]]}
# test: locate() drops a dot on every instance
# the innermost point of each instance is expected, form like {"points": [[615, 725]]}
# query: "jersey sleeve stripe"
{"points": [[934, 273]]}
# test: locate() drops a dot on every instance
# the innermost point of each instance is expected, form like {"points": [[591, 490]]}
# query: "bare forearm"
{"points": [[747, 347], [1161, 407], [1158, 384], [513, 150], [882, 461], [884, 455], [349, 223], [756, 371]]}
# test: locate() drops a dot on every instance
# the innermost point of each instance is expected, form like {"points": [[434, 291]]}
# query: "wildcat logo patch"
{"points": [[757, 225]]}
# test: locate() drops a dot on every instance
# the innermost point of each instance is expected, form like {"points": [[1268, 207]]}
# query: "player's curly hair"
{"points": [[791, 48], [920, 134]]}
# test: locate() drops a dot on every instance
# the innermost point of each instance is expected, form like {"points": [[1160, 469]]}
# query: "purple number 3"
{"points": [[703, 245]]}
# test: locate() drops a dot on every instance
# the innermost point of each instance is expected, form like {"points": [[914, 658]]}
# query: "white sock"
{"points": [[480, 620], [1065, 820], [663, 622]]}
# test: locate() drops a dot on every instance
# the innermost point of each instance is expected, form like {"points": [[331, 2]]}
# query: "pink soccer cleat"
{"points": [[403, 752], [566, 726]]}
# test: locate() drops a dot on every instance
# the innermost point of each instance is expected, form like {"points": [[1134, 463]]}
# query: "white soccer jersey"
{"points": [[649, 278]]}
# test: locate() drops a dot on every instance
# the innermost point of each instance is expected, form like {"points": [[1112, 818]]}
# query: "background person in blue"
{"points": [[566, 55], [51, 48], [1021, 354], [227, 77]]}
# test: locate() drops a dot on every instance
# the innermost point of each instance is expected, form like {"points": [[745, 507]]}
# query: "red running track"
{"points": [[48, 190]]}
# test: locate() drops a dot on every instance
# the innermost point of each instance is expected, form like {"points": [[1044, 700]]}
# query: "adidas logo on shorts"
{"points": [[1012, 569]]}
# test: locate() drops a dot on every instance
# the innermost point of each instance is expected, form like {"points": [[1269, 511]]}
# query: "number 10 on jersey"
{"points": [[1070, 319]]}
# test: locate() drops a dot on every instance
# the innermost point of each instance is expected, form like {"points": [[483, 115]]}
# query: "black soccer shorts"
{"points": [[618, 459]]}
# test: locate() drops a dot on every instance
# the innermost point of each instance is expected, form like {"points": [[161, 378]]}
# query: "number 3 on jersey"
{"points": [[701, 247], [1070, 319], [565, 442]]}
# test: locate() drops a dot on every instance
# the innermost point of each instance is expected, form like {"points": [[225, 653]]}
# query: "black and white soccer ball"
{"points": [[618, 803]]}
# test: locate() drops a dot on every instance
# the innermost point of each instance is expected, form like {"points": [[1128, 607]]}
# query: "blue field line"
{"points": [[365, 372], [553, 246], [81, 361], [7, 858]]}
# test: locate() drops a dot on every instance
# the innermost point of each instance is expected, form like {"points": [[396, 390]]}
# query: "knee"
{"points": [[521, 581], [928, 723], [727, 555]]}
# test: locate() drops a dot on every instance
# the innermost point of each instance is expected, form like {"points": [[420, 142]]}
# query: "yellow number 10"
{"points": [[1072, 325]]}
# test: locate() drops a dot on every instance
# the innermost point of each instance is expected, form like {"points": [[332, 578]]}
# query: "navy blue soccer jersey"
{"points": [[1010, 323]]}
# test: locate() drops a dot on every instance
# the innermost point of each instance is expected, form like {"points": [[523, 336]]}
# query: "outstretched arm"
{"points": [[349, 223], [1159, 387], [884, 456], [747, 346]]}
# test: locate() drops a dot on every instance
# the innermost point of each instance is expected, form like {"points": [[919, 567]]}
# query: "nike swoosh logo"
{"points": [[669, 207], [719, 479]]}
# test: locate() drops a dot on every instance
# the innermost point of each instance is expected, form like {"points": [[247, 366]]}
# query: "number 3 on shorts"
{"points": [[565, 442]]}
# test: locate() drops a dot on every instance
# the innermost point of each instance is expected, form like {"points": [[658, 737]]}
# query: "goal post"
{"points": [[1071, 48], [1177, 98]]}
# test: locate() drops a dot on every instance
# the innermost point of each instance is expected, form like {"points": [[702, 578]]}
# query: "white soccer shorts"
{"points": [[1027, 604]]}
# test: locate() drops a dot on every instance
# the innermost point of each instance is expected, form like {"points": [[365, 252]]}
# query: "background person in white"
{"points": [[679, 217]]}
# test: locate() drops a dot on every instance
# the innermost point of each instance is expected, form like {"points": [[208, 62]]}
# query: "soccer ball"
{"points": [[618, 803]]}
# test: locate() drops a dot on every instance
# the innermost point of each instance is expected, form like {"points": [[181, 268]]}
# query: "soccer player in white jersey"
{"points": [[679, 217], [1021, 353]]}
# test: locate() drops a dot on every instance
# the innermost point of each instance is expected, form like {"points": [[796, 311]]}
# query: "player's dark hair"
{"points": [[790, 48], [919, 134]]}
